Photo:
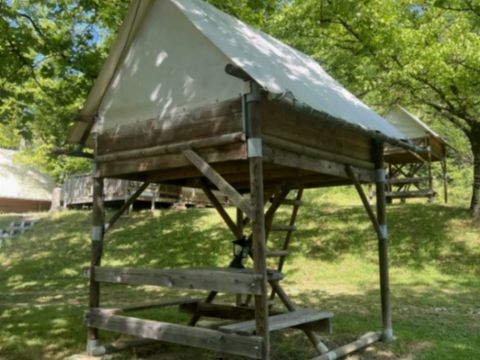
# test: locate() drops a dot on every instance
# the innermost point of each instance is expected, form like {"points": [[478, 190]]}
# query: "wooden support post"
{"points": [[387, 333], [98, 219], [445, 179], [430, 175], [258, 218]]}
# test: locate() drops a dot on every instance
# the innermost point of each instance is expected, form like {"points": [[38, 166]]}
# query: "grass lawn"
{"points": [[435, 277]]}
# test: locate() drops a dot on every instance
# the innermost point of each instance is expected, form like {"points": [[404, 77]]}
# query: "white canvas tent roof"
{"points": [[278, 68], [409, 124], [21, 182]]}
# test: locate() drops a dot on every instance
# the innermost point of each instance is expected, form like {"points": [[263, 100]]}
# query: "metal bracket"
{"points": [[97, 233], [380, 176], [254, 94], [383, 229], [254, 147]]}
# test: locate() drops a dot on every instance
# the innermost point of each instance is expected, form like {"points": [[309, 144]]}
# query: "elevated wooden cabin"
{"points": [[194, 97], [409, 173]]}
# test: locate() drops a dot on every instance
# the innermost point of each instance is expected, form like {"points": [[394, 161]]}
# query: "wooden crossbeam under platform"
{"points": [[238, 281]]}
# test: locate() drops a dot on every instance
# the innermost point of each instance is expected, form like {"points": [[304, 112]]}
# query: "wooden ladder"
{"points": [[289, 229]]}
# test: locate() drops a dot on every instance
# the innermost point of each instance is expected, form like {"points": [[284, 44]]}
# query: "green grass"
{"points": [[435, 277]]}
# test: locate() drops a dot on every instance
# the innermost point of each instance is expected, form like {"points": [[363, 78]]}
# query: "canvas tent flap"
{"points": [[169, 69], [136, 12], [278, 68]]}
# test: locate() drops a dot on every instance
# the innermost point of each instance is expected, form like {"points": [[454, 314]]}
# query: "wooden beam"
{"points": [[210, 173], [239, 313], [178, 147], [248, 346], [341, 352], [159, 304], [237, 233], [310, 163], [276, 142], [363, 197], [125, 206], [242, 281]]}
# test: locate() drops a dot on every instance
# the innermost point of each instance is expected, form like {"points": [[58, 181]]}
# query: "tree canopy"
{"points": [[421, 54]]}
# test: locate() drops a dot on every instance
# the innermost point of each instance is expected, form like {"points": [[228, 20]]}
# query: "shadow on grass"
{"points": [[420, 235]]}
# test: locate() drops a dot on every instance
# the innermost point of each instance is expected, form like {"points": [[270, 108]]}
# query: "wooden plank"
{"points": [[364, 199], [279, 322], [135, 167], [299, 161], [237, 232], [243, 281], [282, 227], [219, 311], [292, 202], [407, 180], [357, 345], [249, 346], [176, 147], [314, 152], [202, 122], [277, 253], [125, 206], [410, 194], [160, 304], [212, 175], [283, 121]]}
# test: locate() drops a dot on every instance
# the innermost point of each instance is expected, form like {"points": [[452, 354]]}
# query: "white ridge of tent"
{"points": [[409, 124], [276, 67]]}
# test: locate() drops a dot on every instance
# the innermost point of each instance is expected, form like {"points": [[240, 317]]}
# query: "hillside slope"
{"points": [[435, 277]]}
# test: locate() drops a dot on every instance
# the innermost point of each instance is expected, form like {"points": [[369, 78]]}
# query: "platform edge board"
{"points": [[223, 280], [248, 346]]}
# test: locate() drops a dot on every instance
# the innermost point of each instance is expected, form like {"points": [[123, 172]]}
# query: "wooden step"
{"points": [[237, 281], [407, 180], [279, 322], [278, 227], [292, 202], [410, 194], [277, 253]]}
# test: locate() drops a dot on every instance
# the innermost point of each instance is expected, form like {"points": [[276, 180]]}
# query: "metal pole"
{"points": [[387, 333]]}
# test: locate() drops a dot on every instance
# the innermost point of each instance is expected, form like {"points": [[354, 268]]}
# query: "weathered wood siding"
{"points": [[286, 123]]}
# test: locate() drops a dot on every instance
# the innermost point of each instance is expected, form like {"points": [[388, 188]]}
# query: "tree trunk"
{"points": [[475, 142]]}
